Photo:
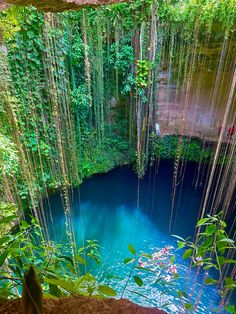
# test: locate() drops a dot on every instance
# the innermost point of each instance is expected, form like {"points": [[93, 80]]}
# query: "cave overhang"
{"points": [[58, 5]]}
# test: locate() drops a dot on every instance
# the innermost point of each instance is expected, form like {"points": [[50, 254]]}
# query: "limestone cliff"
{"points": [[57, 5]]}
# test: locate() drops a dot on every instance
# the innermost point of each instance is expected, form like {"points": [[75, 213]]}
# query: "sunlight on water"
{"points": [[114, 220]]}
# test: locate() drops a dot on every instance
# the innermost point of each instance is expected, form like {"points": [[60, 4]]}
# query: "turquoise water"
{"points": [[105, 209]]}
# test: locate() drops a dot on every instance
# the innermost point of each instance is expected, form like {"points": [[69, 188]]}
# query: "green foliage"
{"points": [[59, 123], [61, 75], [59, 273], [143, 73], [121, 56], [157, 269], [168, 147], [8, 157], [138, 281], [131, 249], [8, 217], [9, 22], [230, 309], [55, 43], [209, 251]]}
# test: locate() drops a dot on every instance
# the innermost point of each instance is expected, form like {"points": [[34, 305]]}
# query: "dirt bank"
{"points": [[81, 305]]}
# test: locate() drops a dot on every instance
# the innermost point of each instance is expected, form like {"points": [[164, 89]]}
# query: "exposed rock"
{"points": [[81, 305], [57, 5]]}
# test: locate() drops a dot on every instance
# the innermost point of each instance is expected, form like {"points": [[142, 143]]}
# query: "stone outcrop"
{"points": [[57, 5]]}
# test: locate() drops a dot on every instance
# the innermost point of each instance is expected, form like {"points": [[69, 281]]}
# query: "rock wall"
{"points": [[57, 5]]}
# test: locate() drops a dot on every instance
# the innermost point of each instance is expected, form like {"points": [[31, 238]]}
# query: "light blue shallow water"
{"points": [[107, 211]]}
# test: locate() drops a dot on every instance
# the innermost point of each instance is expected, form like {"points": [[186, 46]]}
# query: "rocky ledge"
{"points": [[57, 5]]}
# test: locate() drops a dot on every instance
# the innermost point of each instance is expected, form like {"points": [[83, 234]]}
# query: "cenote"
{"points": [[118, 136], [105, 209]]}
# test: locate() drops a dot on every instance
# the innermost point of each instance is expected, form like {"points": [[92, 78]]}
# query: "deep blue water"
{"points": [[105, 209]]}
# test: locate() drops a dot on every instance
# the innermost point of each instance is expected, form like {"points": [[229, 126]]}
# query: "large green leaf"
{"points": [[67, 258], [149, 256], [178, 237], [108, 291], [227, 240], [182, 294], [131, 249], [129, 260], [3, 257], [230, 309], [230, 261], [188, 306], [187, 253], [210, 281], [24, 224], [80, 260], [202, 221], [66, 285], [55, 291], [210, 229], [6, 239], [181, 244], [138, 281], [8, 219]]}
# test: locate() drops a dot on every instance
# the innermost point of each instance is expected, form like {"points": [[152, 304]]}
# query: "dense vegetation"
{"points": [[61, 274], [77, 88], [78, 95]]}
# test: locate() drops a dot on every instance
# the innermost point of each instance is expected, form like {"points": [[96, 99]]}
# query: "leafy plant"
{"points": [[143, 72], [211, 250], [59, 273], [8, 217], [8, 157]]}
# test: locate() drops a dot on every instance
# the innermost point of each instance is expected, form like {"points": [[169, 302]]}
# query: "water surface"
{"points": [[105, 208]]}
